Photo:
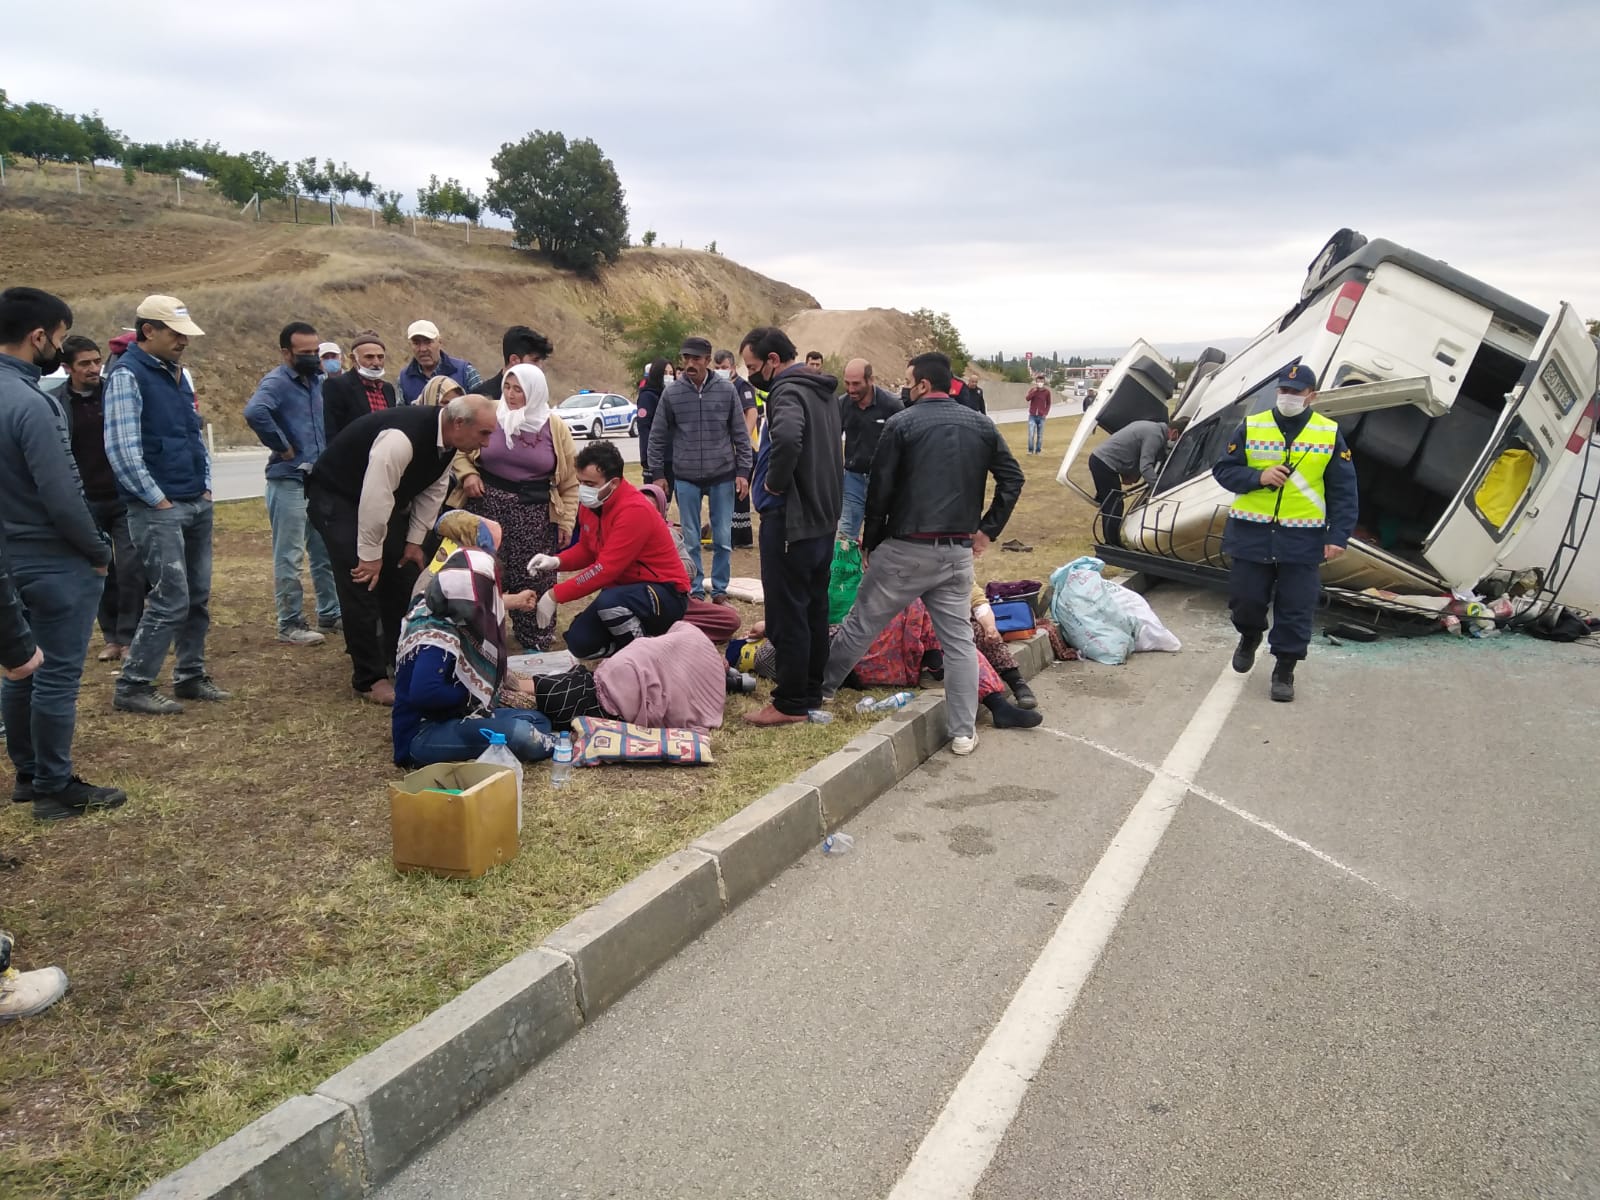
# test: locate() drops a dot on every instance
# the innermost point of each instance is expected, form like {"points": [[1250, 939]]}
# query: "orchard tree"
{"points": [[389, 208], [563, 198], [311, 180], [365, 187], [649, 238]]}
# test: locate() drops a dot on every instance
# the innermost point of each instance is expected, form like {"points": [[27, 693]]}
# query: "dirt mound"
{"points": [[885, 337], [243, 281]]}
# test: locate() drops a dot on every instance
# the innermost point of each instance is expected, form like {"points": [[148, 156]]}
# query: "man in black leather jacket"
{"points": [[925, 522]]}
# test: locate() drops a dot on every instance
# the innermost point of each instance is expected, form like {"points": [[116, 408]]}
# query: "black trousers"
{"points": [[621, 613], [794, 576], [1108, 495], [1289, 590], [122, 602], [372, 619]]}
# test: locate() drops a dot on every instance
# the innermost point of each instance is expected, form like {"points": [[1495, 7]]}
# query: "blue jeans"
{"points": [[854, 512], [620, 613], [61, 593], [463, 740], [1035, 434], [292, 541], [721, 496], [175, 547]]}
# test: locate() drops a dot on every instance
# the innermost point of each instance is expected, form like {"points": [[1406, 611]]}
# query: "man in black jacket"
{"points": [[863, 410], [358, 391], [519, 345], [925, 523], [797, 492]]}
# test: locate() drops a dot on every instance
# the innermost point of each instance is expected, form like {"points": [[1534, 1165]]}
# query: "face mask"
{"points": [[590, 497], [307, 364], [50, 362], [724, 373], [370, 372], [330, 366], [1291, 405]]}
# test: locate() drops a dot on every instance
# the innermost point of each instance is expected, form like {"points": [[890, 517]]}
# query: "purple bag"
{"points": [[1021, 589]]}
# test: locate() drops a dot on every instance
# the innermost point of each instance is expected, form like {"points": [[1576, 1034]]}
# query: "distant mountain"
{"points": [[1173, 350]]}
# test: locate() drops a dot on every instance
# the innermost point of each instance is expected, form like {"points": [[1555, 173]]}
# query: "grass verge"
{"points": [[236, 933]]}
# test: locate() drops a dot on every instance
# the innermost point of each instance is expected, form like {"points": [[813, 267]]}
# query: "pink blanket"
{"points": [[678, 679]]}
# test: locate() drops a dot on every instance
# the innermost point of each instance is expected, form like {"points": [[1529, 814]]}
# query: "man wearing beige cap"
{"points": [[429, 359], [158, 454], [332, 358]]}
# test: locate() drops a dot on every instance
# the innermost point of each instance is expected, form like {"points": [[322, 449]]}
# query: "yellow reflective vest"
{"points": [[1301, 503]]}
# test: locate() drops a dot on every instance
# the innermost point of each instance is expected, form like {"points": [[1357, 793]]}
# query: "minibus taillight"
{"points": [[1344, 306]]}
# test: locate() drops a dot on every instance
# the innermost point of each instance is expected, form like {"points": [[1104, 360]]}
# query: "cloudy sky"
{"points": [[1056, 175]]}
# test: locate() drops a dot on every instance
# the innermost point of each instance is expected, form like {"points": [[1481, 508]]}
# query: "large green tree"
{"points": [[563, 198], [946, 338]]}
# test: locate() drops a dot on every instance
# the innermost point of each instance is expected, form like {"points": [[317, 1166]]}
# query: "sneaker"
{"points": [[76, 799], [203, 688], [1244, 655], [24, 993], [334, 626], [301, 637], [963, 746], [1283, 681], [146, 700], [22, 790]]}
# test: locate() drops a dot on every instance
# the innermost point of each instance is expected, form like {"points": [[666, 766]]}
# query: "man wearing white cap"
{"points": [[332, 358], [429, 359], [158, 454]]}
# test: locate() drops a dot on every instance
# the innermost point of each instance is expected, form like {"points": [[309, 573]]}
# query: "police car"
{"points": [[595, 414]]}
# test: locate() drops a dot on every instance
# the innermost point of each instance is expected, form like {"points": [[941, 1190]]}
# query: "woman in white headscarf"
{"points": [[526, 479]]}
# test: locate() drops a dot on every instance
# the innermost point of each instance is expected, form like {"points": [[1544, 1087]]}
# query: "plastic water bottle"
{"points": [[836, 844], [499, 754], [561, 765], [887, 704], [819, 716]]}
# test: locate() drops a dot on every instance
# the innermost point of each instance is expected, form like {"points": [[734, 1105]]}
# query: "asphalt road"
{"points": [[1188, 944], [241, 474]]}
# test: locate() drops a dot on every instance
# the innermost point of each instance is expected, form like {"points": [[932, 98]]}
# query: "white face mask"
{"points": [[589, 496], [370, 372], [724, 373], [1291, 404]]}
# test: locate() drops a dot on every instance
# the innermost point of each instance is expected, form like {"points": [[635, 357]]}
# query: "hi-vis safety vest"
{"points": [[1301, 502]]}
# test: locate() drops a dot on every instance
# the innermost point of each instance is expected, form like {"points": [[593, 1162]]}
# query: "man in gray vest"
{"points": [[154, 439]]}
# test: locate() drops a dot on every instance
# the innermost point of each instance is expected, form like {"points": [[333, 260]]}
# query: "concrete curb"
{"points": [[361, 1126]]}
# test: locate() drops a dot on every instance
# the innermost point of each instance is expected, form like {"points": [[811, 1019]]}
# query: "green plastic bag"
{"points": [[844, 578]]}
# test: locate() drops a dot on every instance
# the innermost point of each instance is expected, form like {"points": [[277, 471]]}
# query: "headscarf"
{"points": [[533, 415], [461, 613], [439, 390]]}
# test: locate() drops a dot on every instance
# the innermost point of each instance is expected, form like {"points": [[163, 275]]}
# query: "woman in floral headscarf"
{"points": [[450, 668], [526, 478]]}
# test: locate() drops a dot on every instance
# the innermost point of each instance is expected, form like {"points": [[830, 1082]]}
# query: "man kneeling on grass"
{"points": [[625, 558]]}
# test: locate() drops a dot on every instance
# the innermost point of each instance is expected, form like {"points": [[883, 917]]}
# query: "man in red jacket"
{"points": [[625, 557]]}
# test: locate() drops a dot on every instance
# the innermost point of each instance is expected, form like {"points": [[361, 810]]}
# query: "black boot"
{"points": [[1244, 655], [1009, 716], [1012, 678], [1283, 680]]}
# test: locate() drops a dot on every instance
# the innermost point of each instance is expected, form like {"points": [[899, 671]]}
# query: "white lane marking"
{"points": [[958, 1149], [1226, 806]]}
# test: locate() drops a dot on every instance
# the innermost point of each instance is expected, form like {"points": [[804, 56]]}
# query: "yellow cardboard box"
{"points": [[458, 836]]}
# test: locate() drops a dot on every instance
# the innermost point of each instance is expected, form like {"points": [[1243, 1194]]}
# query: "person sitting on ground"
{"points": [[625, 558], [994, 650], [677, 681], [719, 622], [526, 479], [899, 655], [451, 665]]}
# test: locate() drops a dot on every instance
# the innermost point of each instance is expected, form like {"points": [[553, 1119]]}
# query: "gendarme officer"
{"points": [[1295, 509]]}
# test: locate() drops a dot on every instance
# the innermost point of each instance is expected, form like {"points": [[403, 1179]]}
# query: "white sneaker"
{"points": [[24, 993], [301, 637], [963, 746]]}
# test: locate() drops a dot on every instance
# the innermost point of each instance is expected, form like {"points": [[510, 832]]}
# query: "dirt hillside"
{"points": [[885, 337], [243, 281]]}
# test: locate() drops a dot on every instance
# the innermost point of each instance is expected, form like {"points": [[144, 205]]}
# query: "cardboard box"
{"points": [[461, 836]]}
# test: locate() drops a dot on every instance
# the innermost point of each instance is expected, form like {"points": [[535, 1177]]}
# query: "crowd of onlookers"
{"points": [[447, 518]]}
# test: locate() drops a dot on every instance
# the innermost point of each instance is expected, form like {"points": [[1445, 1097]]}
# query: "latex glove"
{"points": [[545, 611], [542, 562]]}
